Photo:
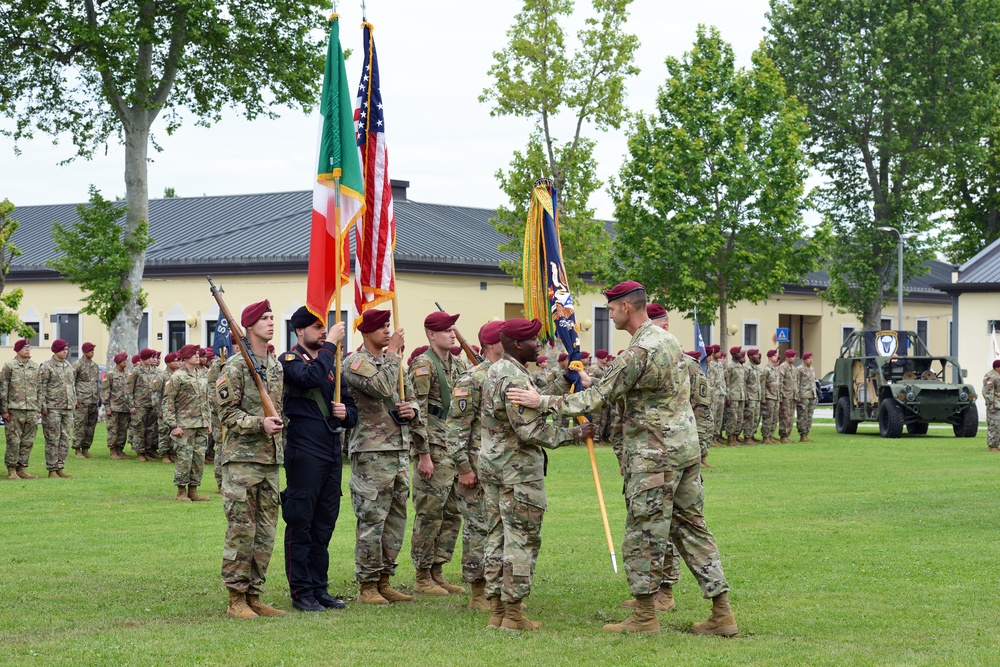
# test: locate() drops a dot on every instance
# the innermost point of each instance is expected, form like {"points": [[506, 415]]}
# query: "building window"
{"points": [[845, 332], [602, 333], [210, 332], [750, 333], [887, 324], [144, 331], [922, 326], [176, 335]]}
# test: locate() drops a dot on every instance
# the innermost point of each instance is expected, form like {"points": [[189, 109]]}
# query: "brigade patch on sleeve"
{"points": [[463, 404], [289, 357]]}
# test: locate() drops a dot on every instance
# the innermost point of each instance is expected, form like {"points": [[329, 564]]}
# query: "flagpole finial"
{"points": [[543, 181], [364, 16]]}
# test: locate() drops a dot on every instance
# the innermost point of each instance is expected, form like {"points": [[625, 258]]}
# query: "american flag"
{"points": [[375, 237]]}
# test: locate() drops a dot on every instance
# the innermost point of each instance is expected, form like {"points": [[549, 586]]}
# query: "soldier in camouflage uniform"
{"points": [[657, 448], [251, 456], [186, 415], [207, 363], [20, 408], [143, 387], [512, 471], [991, 395], [751, 409], [165, 444], [57, 398], [436, 517], [464, 438], [770, 381], [715, 371], [379, 450], [213, 374], [117, 406], [789, 392], [87, 376], [805, 401], [736, 393]]}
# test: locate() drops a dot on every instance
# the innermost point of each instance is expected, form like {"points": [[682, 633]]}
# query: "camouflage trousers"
{"points": [[190, 449], [118, 423], [666, 512], [472, 504], [20, 432], [514, 536], [734, 417], [786, 417], [379, 489], [164, 441], [143, 431], [706, 427], [769, 417], [804, 415], [84, 423], [436, 518], [250, 499], [992, 429], [751, 417], [57, 427], [718, 414]]}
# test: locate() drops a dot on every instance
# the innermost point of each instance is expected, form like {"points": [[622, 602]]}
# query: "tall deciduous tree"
{"points": [[710, 200], [10, 301], [537, 77], [972, 188], [892, 88], [105, 71]]}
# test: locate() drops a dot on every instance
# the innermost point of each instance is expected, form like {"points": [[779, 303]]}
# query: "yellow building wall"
{"points": [[975, 339]]}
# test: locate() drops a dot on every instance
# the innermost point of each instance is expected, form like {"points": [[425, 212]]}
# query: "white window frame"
{"points": [[892, 323], [593, 329], [916, 329], [743, 333], [175, 314], [79, 325], [845, 327]]}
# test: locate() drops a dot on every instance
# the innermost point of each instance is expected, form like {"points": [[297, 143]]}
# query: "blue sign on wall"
{"points": [[781, 335]]}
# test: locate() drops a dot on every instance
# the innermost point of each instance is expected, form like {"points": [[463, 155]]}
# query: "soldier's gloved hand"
{"points": [[406, 411], [339, 410], [272, 425], [584, 431], [336, 333]]}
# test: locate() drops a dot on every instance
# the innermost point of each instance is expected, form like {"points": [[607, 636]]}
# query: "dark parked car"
{"points": [[824, 389]]}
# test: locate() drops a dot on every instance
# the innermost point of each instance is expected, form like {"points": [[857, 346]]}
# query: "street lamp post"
{"points": [[899, 293]]}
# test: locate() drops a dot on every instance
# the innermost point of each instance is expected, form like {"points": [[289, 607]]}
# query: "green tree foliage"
{"points": [[972, 187], [105, 71], [894, 88], [537, 77], [169, 193], [96, 253], [709, 203], [10, 301]]}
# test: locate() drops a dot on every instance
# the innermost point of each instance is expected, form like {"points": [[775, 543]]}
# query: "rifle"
{"points": [[474, 358], [256, 370]]}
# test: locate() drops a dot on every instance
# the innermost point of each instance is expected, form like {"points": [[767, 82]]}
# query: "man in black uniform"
{"points": [[314, 423]]}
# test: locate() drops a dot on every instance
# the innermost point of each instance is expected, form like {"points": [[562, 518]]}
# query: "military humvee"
{"points": [[890, 377]]}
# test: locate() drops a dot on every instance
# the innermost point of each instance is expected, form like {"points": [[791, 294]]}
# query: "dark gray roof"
{"points": [[983, 268], [924, 286]]}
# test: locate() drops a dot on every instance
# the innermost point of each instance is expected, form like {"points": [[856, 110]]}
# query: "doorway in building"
{"points": [[67, 326]]}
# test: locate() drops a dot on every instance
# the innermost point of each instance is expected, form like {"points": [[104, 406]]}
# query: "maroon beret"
{"points": [[20, 344], [621, 289], [520, 328], [585, 355], [58, 345], [190, 350], [489, 333], [655, 311], [438, 321], [807, 355], [208, 352], [136, 358], [417, 352], [771, 353], [601, 354], [270, 348], [752, 351], [694, 354], [541, 360], [790, 353], [563, 357], [735, 349], [170, 358], [996, 363], [722, 354], [146, 353], [457, 350], [87, 347], [373, 320], [252, 313], [120, 357]]}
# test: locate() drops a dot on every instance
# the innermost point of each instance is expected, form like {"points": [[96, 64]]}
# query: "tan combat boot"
{"points": [[62, 473], [165, 459], [438, 576], [732, 441], [664, 600], [425, 584], [390, 593], [261, 609], [238, 606], [806, 438], [193, 494], [12, 472], [643, 619], [369, 594], [182, 495], [513, 618], [78, 454], [706, 464], [477, 600], [721, 622], [24, 474], [53, 473], [87, 454], [496, 612], [995, 449], [140, 457], [784, 440]]}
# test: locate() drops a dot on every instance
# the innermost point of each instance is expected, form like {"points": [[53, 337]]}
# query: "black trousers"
{"points": [[310, 505]]}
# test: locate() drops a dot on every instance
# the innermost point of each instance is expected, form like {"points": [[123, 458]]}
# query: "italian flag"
{"points": [[329, 245]]}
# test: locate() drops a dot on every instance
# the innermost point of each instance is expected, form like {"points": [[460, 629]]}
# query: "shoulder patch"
{"points": [[220, 380], [289, 357], [356, 364], [461, 391], [422, 371]]}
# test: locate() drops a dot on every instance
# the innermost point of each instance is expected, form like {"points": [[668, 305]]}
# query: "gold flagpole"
{"points": [[336, 264], [395, 321], [600, 496]]}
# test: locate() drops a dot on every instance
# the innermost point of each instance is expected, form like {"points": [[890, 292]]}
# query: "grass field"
{"points": [[850, 551]]}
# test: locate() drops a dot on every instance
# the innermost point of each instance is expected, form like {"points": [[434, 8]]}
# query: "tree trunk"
{"points": [[872, 319], [123, 333]]}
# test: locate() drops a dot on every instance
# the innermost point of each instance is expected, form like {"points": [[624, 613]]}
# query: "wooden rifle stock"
{"points": [[243, 343], [474, 359]]}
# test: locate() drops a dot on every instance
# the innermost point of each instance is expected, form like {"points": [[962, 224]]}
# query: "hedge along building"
{"points": [[256, 246]]}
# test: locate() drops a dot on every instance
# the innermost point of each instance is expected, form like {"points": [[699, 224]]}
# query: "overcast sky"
{"points": [[433, 61]]}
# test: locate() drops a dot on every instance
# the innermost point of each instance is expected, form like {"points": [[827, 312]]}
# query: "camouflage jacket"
{"points": [[753, 381], [213, 374], [701, 402], [56, 386], [87, 376], [770, 383], [162, 375], [789, 381], [19, 386], [185, 400], [142, 387], [435, 401], [374, 380], [513, 437], [540, 379], [736, 381], [806, 378], [991, 390], [657, 430], [115, 394], [464, 424], [715, 371], [242, 414]]}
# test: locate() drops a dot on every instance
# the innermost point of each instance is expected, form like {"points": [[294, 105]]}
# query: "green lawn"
{"points": [[850, 551]]}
